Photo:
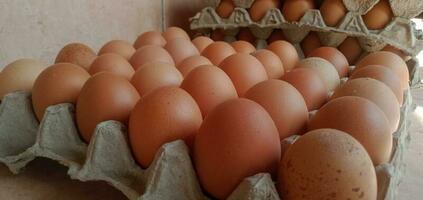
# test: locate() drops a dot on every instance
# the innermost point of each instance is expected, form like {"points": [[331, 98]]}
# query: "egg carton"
{"points": [[400, 32]]}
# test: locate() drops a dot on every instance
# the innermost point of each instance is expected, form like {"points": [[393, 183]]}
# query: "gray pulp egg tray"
{"points": [[400, 32]]}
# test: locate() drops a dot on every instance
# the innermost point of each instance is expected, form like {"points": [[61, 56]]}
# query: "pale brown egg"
{"points": [[397, 51], [76, 53], [209, 86], [333, 11], [150, 53], [154, 75], [105, 96], [218, 35], [113, 63], [150, 38], [334, 56], [180, 49], [241, 46], [271, 62], [59, 83], [351, 49], [120, 47], [175, 32], [284, 103], [244, 70], [324, 69], [245, 34], [202, 42], [190, 63], [360, 118], [216, 52], [225, 8], [238, 139], [379, 16], [164, 115], [286, 52], [293, 10], [327, 164], [259, 9], [277, 34], [310, 43]]}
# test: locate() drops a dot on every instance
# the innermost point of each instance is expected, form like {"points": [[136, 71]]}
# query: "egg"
{"points": [[218, 35], [59, 83], [271, 63], [241, 46], [154, 75], [175, 32], [310, 43], [327, 164], [277, 34], [238, 139], [180, 49], [201, 43], [216, 52], [375, 91], [150, 53], [76, 53], [351, 49], [397, 51], [225, 8], [334, 56], [310, 85], [150, 38], [245, 34], [162, 116], [190, 63], [324, 69], [244, 70], [113, 63], [259, 9], [293, 10], [209, 86], [379, 16], [389, 60], [362, 119], [105, 96], [120, 47], [333, 11], [382, 74], [19, 75], [286, 52]]}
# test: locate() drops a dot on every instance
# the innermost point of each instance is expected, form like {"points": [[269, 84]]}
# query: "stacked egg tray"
{"points": [[400, 32]]}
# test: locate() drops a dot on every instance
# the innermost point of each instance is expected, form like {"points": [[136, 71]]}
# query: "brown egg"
{"points": [[293, 10], [164, 115], [397, 51], [112, 63], [333, 11], [382, 74], [216, 52], [105, 96], [334, 56], [238, 139], [310, 85], [190, 63], [324, 69], [271, 62], [175, 32], [201, 43], [59, 83], [150, 53], [362, 119], [351, 49], [180, 49], [218, 35], [209, 86], [379, 16], [241, 46], [259, 9], [245, 34], [120, 47], [375, 91], [389, 60], [327, 164], [154, 75], [276, 35], [310, 43], [244, 70], [286, 52], [150, 38], [76, 53], [225, 8]]}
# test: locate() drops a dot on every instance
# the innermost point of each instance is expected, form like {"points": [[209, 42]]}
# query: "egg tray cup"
{"points": [[400, 32]]}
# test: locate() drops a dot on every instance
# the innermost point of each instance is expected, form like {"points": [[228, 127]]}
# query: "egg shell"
{"points": [[218, 35], [225, 8], [293, 10], [105, 96], [333, 11], [334, 56], [244, 70], [76, 53], [271, 63], [286, 52], [397, 51], [351, 49], [277, 34], [324, 69], [245, 34], [201, 43], [180, 49], [379, 16], [216, 52], [259, 9], [120, 47], [175, 32], [241, 46], [238, 139], [209, 86], [327, 164], [150, 38], [310, 85], [362, 119], [310, 43], [190, 63], [150, 53], [162, 116], [113, 63]]}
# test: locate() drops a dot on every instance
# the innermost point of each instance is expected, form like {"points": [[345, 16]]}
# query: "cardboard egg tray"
{"points": [[400, 32]]}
